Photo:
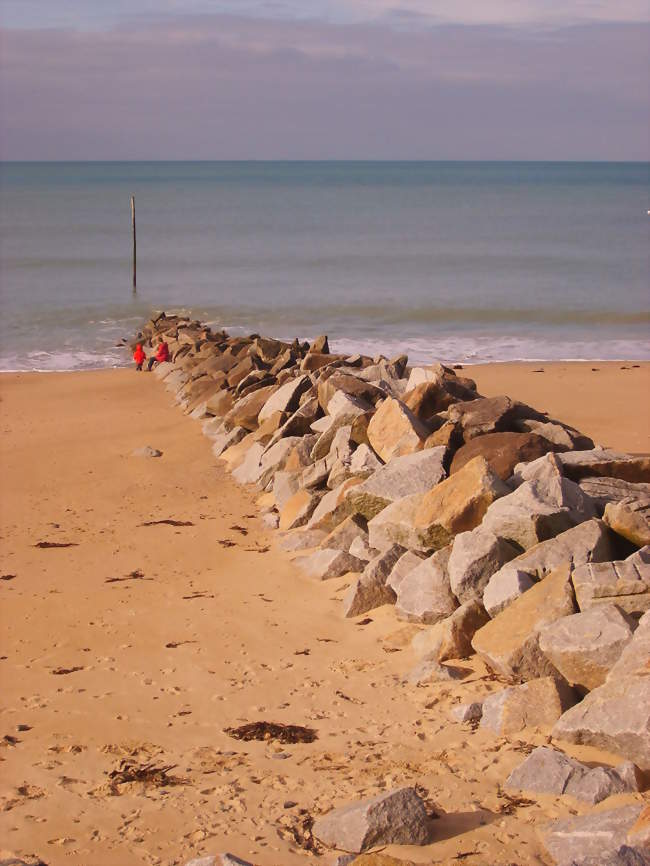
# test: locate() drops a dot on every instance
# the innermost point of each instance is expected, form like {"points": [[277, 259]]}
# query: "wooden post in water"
{"points": [[134, 246]]}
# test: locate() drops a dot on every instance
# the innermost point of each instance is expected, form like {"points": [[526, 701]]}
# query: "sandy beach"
{"points": [[140, 639]]}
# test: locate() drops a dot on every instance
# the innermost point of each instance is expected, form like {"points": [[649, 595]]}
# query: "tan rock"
{"points": [[452, 637], [503, 451], [625, 583], [535, 704], [245, 411], [298, 509], [457, 504], [394, 430], [450, 435], [220, 403], [509, 643], [630, 518]]}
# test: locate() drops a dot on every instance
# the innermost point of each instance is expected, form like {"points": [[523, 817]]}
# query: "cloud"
{"points": [[232, 87]]}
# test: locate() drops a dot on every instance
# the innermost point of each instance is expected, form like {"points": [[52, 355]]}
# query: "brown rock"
{"points": [[240, 371], [452, 637], [349, 385], [394, 430], [630, 518], [503, 451], [509, 643], [457, 504], [244, 413], [450, 435], [489, 415], [427, 399], [219, 404], [298, 509], [316, 360]]}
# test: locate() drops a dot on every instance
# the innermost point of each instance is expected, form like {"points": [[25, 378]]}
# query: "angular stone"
{"points": [[537, 511], [427, 399], [285, 484], [537, 703], [549, 771], [567, 438], [475, 557], [301, 539], [299, 423], [393, 818], [625, 583], [370, 590], [275, 458], [585, 646], [404, 565], [600, 462], [349, 384], [394, 430], [503, 451], [325, 441], [317, 474], [298, 509], [509, 643], [218, 860], [424, 595], [286, 398], [403, 476], [457, 504], [250, 469], [596, 839], [332, 509], [362, 550], [503, 588], [394, 524], [451, 638], [630, 518], [489, 415], [606, 490], [347, 404], [364, 461], [325, 564], [616, 715], [468, 712], [590, 541], [342, 536], [430, 671], [219, 404]]}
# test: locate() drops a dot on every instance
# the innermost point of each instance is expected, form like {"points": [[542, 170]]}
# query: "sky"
{"points": [[325, 79]]}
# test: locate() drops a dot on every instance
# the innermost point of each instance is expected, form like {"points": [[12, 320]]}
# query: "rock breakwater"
{"points": [[490, 527]]}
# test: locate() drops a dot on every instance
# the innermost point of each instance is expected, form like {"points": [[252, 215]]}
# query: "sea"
{"points": [[455, 261]]}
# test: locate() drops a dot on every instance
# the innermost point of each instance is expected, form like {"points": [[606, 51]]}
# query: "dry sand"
{"points": [[145, 642]]}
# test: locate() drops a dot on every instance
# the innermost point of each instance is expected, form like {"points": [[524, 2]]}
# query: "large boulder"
{"points": [[597, 462], [297, 510], [333, 508], [538, 510], [549, 771], [451, 638], [625, 583], [424, 595], [590, 541], [503, 451], [606, 490], [326, 564], [475, 557], [509, 643], [286, 398], [597, 839], [457, 504], [585, 646], [630, 518], [393, 818], [538, 703], [616, 715], [371, 590], [403, 476], [489, 415], [394, 430], [349, 384], [404, 566], [342, 536], [226, 439]]}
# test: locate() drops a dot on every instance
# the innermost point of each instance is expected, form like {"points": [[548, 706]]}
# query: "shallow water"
{"points": [[458, 261]]}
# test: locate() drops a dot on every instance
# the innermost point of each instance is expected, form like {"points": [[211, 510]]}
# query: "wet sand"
{"points": [[142, 643]]}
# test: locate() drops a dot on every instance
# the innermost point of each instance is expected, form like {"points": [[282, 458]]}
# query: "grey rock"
{"points": [[430, 671], [362, 550], [250, 469], [606, 490], [537, 511], [370, 590], [316, 475], [503, 588], [475, 557], [325, 564], [537, 703], [591, 838], [616, 715], [625, 583], [585, 646], [285, 484], [342, 536], [590, 541], [146, 451], [602, 462], [347, 404], [271, 519], [468, 712], [394, 818], [402, 476], [274, 458], [301, 539], [323, 444], [218, 860], [404, 565], [364, 461], [425, 595], [213, 427], [286, 398], [395, 523], [549, 771], [226, 439]]}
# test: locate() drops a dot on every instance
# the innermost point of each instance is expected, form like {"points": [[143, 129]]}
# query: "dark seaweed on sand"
{"points": [[272, 731]]}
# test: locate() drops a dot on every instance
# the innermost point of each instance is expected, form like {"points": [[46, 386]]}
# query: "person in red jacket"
{"points": [[162, 354], [139, 356]]}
